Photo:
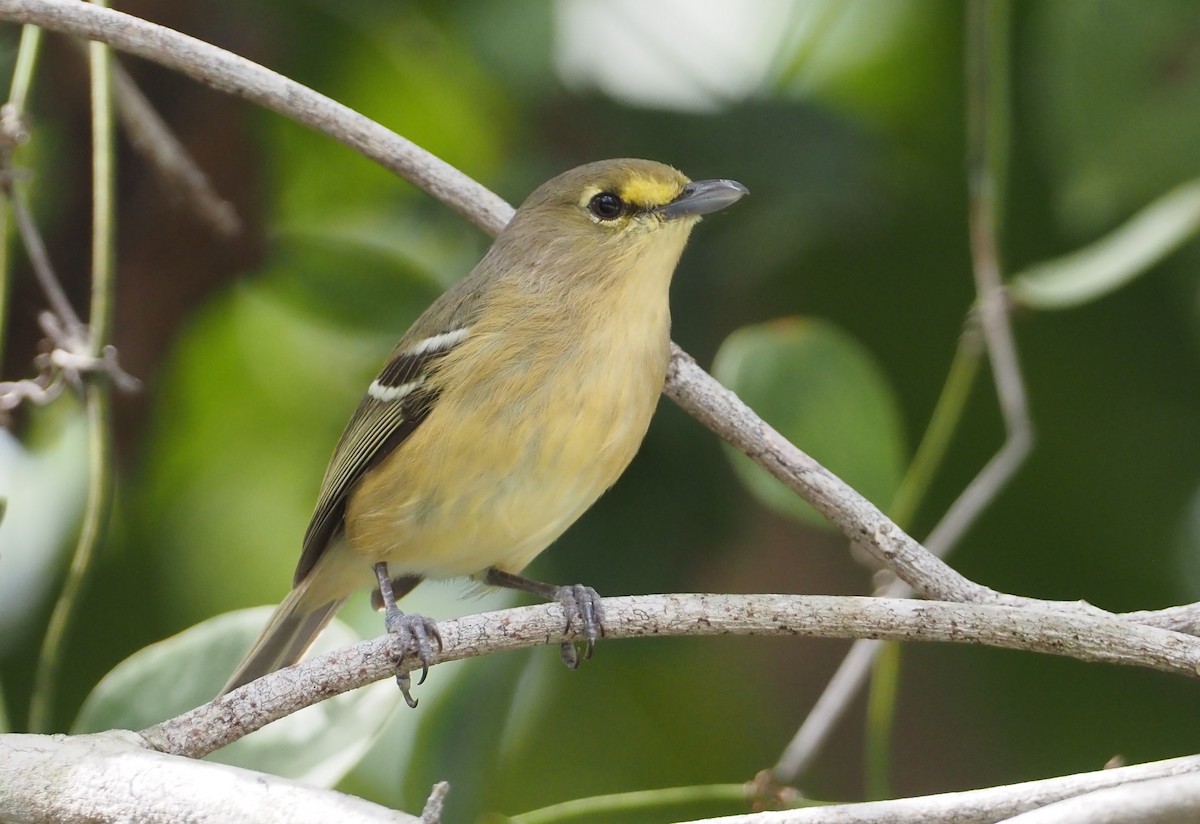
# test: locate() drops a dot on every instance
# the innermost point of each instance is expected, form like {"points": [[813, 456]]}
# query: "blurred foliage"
{"points": [[851, 141], [43, 482], [318, 745], [1142, 103]]}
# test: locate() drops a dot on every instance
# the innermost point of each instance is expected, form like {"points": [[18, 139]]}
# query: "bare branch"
{"points": [[113, 777], [179, 171], [67, 360], [1170, 800], [987, 152], [1042, 629], [987, 806], [833, 702], [859, 520], [236, 75], [987, 72], [432, 812], [1185, 618], [39, 258]]}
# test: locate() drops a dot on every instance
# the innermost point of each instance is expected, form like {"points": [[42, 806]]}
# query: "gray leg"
{"points": [[581, 604], [411, 632]]}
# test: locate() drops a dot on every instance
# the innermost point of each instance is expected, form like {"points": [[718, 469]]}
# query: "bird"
{"points": [[504, 412]]}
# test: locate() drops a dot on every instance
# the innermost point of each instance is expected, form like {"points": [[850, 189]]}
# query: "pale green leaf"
{"points": [[824, 392], [317, 745], [1117, 258], [43, 483]]}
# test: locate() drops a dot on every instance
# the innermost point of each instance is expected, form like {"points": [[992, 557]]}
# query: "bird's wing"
{"points": [[396, 403]]}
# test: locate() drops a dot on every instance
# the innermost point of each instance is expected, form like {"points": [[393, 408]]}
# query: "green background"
{"points": [[844, 280]]}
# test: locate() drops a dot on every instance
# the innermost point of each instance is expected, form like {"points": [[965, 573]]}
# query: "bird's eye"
{"points": [[606, 206]]}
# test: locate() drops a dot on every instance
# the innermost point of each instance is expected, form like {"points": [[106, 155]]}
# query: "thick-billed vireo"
{"points": [[507, 409]]}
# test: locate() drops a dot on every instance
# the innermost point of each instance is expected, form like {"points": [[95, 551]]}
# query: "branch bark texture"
{"points": [[994, 804], [1071, 634], [114, 777]]}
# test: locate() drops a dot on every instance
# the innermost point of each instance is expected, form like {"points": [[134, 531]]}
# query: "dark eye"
{"points": [[606, 206]]}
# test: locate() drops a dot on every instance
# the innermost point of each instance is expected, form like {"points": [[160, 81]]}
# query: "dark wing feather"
{"points": [[376, 429]]}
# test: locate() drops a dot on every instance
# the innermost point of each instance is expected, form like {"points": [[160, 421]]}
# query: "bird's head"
{"points": [[614, 208]]}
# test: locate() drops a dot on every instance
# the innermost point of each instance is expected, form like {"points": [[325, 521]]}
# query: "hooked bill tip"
{"points": [[702, 197]]}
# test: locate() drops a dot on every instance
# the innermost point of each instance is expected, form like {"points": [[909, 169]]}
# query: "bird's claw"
{"points": [[581, 605], [412, 634]]}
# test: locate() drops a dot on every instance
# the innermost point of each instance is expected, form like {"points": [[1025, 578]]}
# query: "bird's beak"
{"points": [[701, 197]]}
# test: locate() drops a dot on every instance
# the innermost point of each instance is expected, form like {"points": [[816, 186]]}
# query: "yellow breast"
{"points": [[531, 426]]}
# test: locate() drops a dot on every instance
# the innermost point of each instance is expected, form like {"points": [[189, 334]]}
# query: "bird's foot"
{"points": [[583, 607], [581, 604], [412, 635]]}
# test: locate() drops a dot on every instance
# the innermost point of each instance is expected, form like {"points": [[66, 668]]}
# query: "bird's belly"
{"points": [[446, 511]]}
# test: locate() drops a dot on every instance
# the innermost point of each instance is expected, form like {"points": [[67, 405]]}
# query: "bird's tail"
{"points": [[293, 627]]}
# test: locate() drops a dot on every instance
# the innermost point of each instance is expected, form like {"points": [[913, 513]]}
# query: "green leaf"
{"points": [[824, 392], [1115, 259], [317, 745]]}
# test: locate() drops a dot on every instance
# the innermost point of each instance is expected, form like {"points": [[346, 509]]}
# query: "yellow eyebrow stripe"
{"points": [[645, 191]]}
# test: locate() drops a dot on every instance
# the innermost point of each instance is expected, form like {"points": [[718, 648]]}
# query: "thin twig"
{"points": [[987, 151], [939, 432], [639, 802], [98, 507], [431, 813], [843, 687], [985, 806], [852, 672], [104, 220], [66, 361], [27, 55], [39, 260], [179, 171], [13, 133], [74, 349]]}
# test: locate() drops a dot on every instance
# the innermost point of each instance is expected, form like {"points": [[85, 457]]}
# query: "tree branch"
{"points": [[724, 413], [1171, 800], [180, 173], [236, 75], [114, 777], [991, 805], [1055, 631]]}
